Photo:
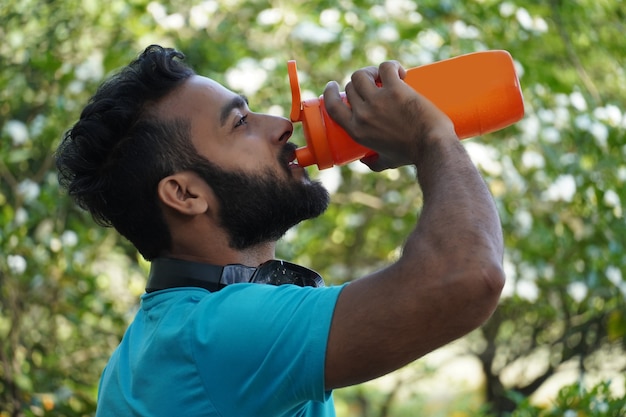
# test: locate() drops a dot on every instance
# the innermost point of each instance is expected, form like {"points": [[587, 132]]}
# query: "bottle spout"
{"points": [[296, 96], [305, 157]]}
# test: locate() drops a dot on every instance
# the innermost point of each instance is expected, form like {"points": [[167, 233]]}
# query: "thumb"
{"points": [[373, 162], [377, 162]]}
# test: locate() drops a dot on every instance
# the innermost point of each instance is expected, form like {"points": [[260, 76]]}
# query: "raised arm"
{"points": [[449, 277]]}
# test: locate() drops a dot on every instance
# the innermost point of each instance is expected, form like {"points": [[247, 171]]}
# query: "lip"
{"points": [[293, 163], [289, 162], [292, 166], [289, 157]]}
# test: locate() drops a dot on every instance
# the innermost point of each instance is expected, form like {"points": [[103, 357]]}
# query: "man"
{"points": [[204, 187]]}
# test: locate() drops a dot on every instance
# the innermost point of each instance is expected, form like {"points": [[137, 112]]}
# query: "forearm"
{"points": [[457, 245], [458, 215]]}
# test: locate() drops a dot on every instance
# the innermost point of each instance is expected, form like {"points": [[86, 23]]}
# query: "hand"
{"points": [[386, 115]]}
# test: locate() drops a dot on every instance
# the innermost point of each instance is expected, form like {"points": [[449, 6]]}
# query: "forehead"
{"points": [[197, 96]]}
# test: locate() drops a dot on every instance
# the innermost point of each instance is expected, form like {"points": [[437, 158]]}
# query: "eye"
{"points": [[242, 121]]}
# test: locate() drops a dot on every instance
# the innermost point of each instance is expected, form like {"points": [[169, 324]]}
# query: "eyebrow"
{"points": [[238, 102]]}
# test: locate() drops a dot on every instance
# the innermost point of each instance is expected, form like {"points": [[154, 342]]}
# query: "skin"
{"points": [[449, 277], [232, 137]]}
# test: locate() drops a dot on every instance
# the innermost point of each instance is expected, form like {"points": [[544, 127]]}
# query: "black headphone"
{"points": [[175, 273]]}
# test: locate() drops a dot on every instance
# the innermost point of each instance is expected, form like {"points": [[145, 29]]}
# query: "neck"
{"points": [[203, 240], [224, 255]]}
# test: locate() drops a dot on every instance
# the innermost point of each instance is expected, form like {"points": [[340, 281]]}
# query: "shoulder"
{"points": [[239, 306], [266, 306]]}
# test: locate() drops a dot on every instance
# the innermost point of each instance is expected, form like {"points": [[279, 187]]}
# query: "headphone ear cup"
{"points": [[277, 272]]}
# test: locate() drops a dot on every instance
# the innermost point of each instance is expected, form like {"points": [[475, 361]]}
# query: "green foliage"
{"points": [[69, 288], [576, 401]]}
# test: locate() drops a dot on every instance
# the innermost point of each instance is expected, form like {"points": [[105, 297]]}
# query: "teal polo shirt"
{"points": [[248, 350]]}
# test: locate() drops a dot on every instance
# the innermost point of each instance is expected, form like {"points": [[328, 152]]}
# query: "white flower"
{"points": [[602, 407], [247, 77], [29, 189], [91, 68], [17, 264], [563, 189], [18, 131], [313, 33], [69, 238], [21, 216]]}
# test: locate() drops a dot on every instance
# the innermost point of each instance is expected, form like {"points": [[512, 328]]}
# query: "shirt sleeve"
{"points": [[264, 346]]}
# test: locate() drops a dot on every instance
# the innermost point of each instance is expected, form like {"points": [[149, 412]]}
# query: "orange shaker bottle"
{"points": [[480, 92]]}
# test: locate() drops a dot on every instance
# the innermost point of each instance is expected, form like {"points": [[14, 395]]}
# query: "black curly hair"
{"points": [[113, 158]]}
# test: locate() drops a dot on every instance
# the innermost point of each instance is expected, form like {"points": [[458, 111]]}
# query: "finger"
{"points": [[364, 81], [336, 108], [391, 72], [352, 93]]}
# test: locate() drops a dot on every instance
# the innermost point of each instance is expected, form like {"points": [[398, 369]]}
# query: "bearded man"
{"points": [[204, 187]]}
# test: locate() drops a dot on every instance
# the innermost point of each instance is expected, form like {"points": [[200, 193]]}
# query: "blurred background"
{"points": [[555, 346]]}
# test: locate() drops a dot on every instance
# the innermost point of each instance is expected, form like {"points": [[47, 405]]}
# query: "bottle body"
{"points": [[480, 92]]}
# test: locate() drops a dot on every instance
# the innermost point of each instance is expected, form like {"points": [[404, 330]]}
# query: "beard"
{"points": [[259, 208]]}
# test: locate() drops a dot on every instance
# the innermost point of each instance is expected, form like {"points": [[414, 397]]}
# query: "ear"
{"points": [[185, 193]]}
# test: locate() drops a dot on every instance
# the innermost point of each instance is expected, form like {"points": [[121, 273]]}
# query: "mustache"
{"points": [[287, 153]]}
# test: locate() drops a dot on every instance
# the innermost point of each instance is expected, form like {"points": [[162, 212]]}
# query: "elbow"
{"points": [[494, 280], [484, 288]]}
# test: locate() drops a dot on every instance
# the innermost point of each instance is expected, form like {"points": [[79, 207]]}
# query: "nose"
{"points": [[279, 128]]}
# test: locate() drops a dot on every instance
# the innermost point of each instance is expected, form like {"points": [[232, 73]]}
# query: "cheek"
{"points": [[254, 156], [244, 152]]}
